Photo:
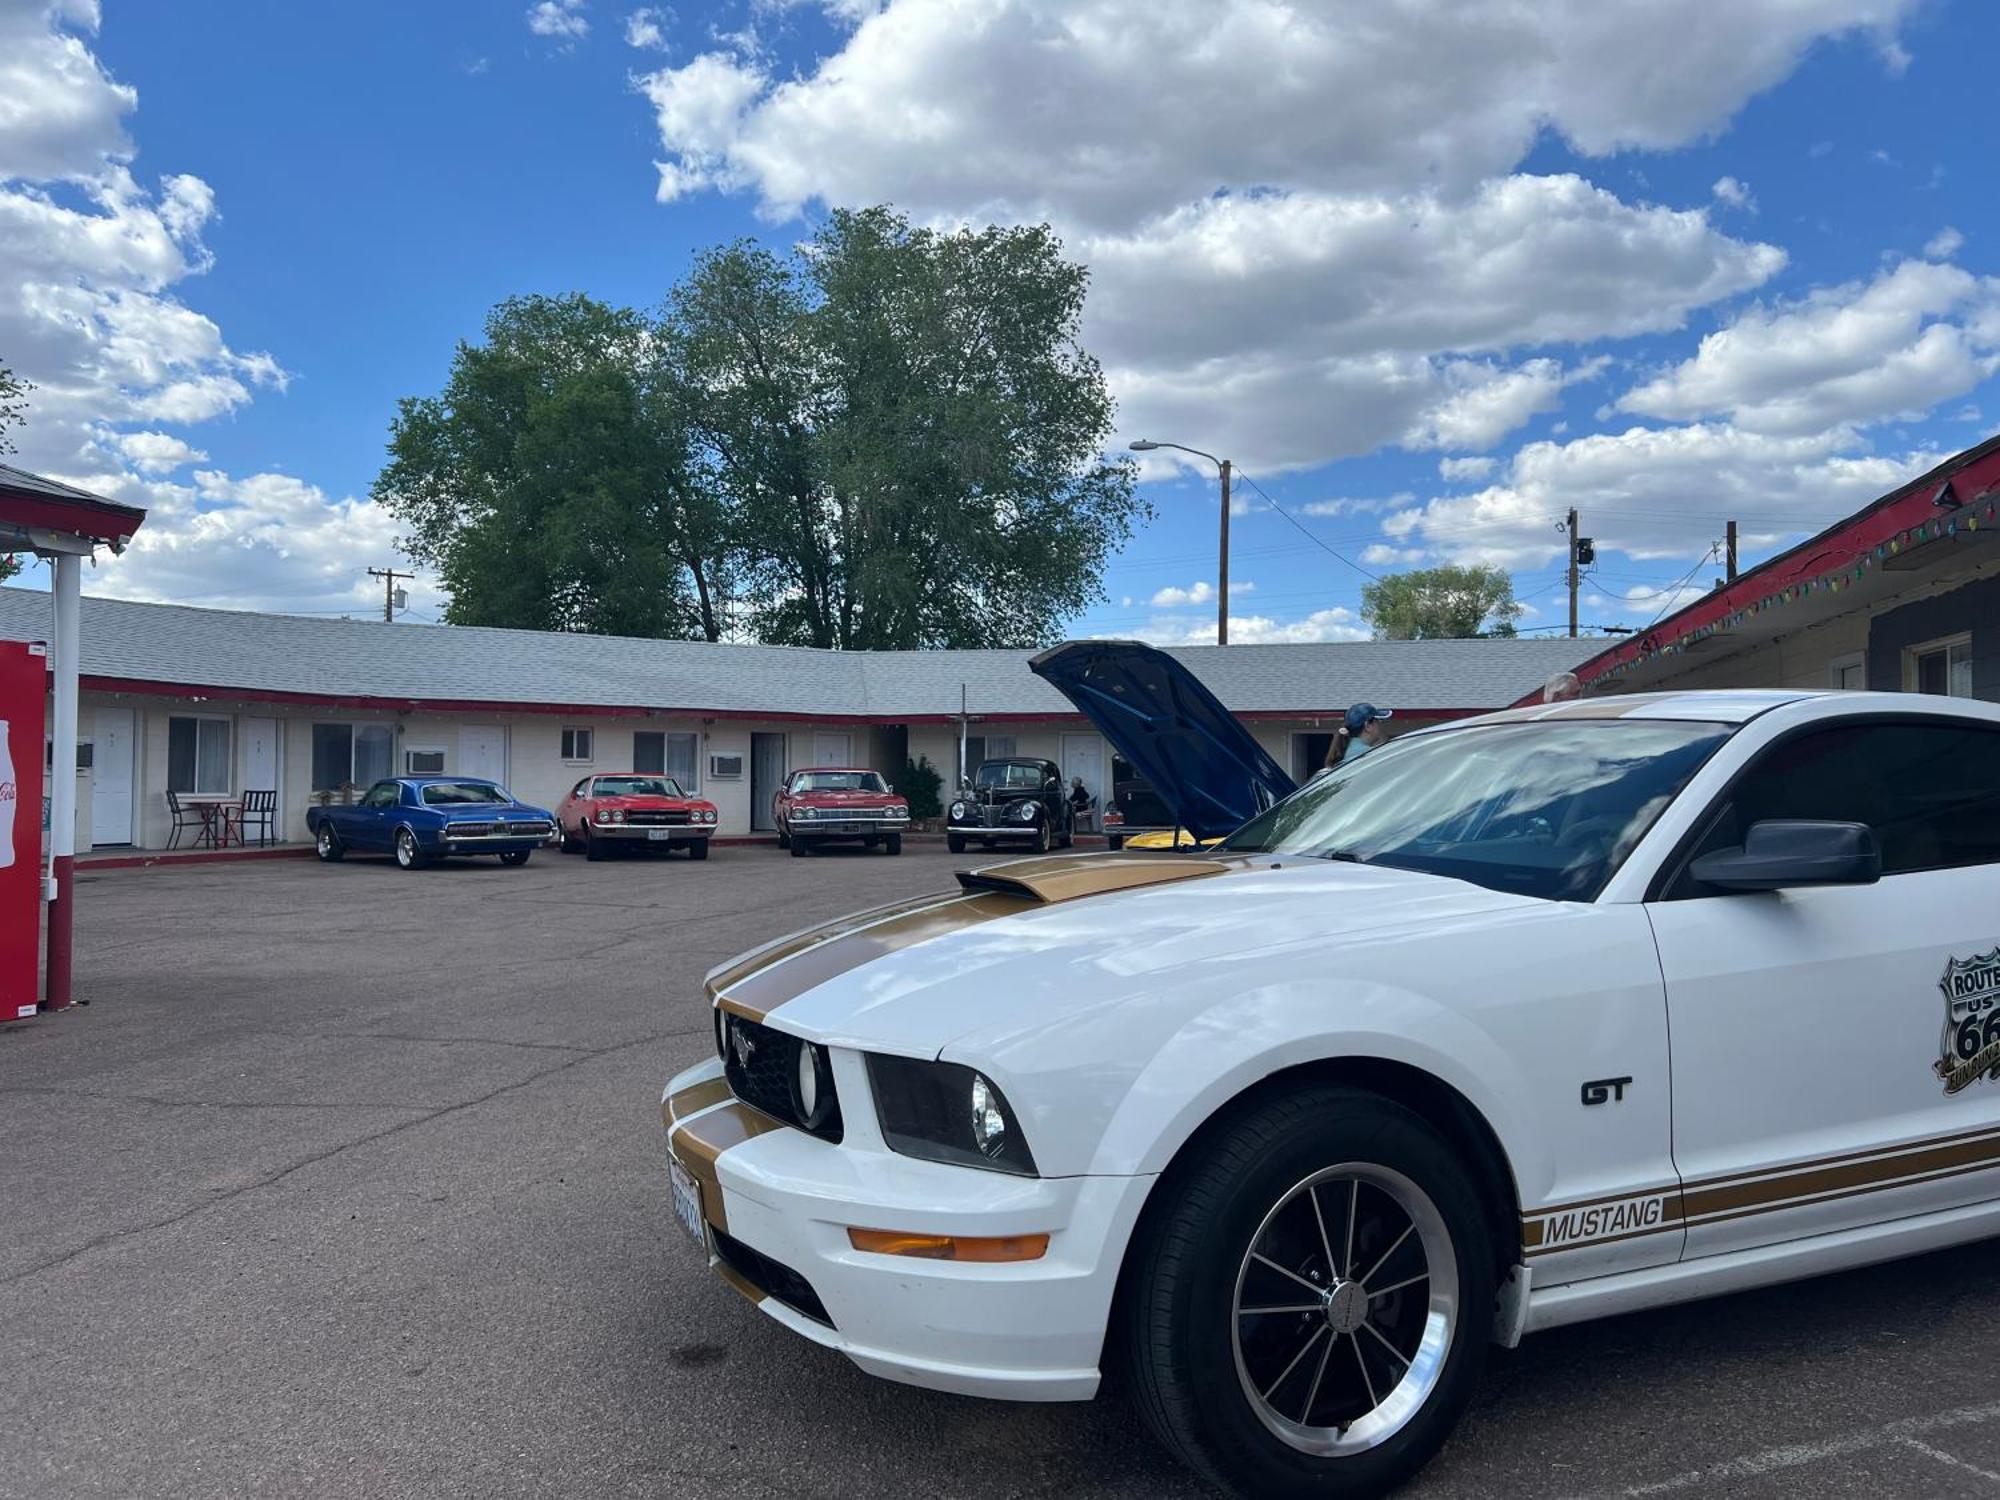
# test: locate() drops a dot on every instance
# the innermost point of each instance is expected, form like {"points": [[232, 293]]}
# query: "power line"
{"points": [[1302, 531]]}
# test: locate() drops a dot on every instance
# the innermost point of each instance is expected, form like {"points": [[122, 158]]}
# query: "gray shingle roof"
{"points": [[292, 654]]}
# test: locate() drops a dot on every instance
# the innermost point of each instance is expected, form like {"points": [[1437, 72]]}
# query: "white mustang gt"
{"points": [[1557, 1013]]}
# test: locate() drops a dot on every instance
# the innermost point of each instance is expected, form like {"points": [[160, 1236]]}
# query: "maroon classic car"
{"points": [[633, 810], [839, 802]]}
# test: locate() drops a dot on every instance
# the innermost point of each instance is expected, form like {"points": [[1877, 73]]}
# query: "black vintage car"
{"points": [[1012, 801]]}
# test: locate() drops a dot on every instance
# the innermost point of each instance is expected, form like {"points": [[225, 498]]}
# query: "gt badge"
{"points": [[1971, 1042]]}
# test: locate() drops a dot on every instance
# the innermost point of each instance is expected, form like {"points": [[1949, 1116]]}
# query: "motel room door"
{"points": [[767, 771], [111, 767], [482, 751]]}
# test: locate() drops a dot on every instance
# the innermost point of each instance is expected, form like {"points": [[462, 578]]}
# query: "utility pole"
{"points": [[390, 591], [1222, 567], [1570, 527], [1732, 551]]}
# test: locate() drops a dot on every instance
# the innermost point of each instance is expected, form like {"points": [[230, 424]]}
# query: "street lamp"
{"points": [[1147, 445]]}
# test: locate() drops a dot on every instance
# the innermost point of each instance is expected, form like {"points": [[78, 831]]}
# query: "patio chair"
{"points": [[186, 820], [258, 815]]}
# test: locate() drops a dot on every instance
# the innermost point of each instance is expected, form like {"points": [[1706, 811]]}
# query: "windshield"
{"points": [[1011, 775], [452, 793], [840, 781], [1541, 809], [637, 786]]}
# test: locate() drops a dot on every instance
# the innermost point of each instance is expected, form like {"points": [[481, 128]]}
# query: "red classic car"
{"points": [[603, 814], [825, 803]]}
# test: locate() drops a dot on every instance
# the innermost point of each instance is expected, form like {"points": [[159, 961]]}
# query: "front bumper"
{"points": [[845, 828], [1024, 1331], [1026, 832], [652, 833]]}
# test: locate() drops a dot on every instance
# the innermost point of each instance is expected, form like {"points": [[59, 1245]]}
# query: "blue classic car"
{"points": [[422, 818]]}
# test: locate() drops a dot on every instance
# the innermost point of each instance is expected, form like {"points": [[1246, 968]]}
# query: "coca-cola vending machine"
{"points": [[24, 687]]}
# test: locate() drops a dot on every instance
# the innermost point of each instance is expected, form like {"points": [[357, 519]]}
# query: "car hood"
{"points": [[846, 799], [1027, 944], [646, 802], [1201, 761]]}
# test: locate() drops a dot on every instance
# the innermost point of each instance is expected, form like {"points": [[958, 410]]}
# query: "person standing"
{"points": [[1360, 732]]}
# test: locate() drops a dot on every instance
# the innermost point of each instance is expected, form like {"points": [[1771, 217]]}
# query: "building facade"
{"points": [[207, 704]]}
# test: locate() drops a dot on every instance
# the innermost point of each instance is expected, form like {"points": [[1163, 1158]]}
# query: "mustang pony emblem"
{"points": [[743, 1045], [1970, 1045]]}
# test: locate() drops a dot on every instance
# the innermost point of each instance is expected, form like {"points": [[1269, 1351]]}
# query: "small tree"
{"points": [[1444, 603], [921, 786], [13, 413]]}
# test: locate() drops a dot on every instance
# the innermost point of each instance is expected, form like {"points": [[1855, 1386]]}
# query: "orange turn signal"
{"points": [[1006, 1247]]}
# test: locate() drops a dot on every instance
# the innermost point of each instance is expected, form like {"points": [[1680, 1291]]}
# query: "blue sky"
{"points": [[1428, 281]]}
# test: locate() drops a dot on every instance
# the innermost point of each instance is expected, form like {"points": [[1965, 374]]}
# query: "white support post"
{"points": [[67, 649]]}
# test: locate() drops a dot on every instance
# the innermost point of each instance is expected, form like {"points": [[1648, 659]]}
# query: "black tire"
{"points": [[893, 842], [1042, 840], [516, 856], [409, 853], [1115, 840], [1182, 1292], [570, 844], [1069, 835], [955, 842], [784, 838], [698, 849], [798, 848], [593, 847], [327, 845]]}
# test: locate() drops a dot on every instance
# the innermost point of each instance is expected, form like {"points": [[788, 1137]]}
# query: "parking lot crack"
{"points": [[167, 1221]]}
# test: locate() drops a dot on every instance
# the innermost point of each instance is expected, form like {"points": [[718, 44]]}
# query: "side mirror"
{"points": [[1779, 853]]}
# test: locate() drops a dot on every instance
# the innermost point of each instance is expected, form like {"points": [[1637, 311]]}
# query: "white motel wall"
{"points": [[211, 703]]}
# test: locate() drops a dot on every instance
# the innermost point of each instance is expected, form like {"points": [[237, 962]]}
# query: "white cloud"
{"points": [[1465, 470], [1487, 402], [1857, 353], [643, 30], [1656, 492], [1734, 193], [92, 260], [156, 452], [1943, 245], [1045, 106], [1173, 597], [1286, 256], [561, 19], [1336, 624]]}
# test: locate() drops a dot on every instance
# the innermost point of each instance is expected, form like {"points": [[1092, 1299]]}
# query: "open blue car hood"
{"points": [[1198, 756]]}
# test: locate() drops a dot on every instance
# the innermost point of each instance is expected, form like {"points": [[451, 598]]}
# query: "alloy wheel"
{"points": [[1344, 1309]]}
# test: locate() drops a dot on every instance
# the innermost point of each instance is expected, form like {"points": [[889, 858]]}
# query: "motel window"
{"points": [[649, 751], [351, 755], [1943, 667], [576, 744], [198, 756]]}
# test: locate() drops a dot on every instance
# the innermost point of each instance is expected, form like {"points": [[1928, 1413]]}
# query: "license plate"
{"points": [[687, 1202], [658, 835]]}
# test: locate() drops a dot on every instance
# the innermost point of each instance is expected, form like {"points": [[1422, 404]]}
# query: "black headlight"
{"points": [[946, 1112]]}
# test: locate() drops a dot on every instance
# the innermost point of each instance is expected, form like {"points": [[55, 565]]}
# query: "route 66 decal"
{"points": [[1971, 1044]]}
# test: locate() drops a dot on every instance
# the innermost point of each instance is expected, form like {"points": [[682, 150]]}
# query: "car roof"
{"points": [[448, 780], [1737, 706], [842, 770]]}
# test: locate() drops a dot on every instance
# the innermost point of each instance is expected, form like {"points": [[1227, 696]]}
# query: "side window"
{"points": [[382, 794], [1931, 792], [581, 789]]}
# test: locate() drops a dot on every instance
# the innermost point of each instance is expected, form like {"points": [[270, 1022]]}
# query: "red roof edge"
{"points": [[1905, 516], [98, 520]]}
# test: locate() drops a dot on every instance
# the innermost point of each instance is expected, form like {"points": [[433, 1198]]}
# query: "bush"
{"points": [[920, 785]]}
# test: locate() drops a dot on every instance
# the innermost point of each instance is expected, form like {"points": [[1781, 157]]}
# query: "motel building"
{"points": [[208, 704]]}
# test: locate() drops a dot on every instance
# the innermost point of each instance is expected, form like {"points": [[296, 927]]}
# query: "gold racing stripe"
{"points": [[1603, 1221], [785, 947], [694, 1099], [698, 1142], [763, 991]]}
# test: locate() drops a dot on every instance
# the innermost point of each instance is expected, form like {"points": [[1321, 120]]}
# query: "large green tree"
{"points": [[1441, 603], [550, 483], [909, 432]]}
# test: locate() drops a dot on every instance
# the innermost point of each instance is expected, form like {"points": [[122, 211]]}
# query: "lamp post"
{"points": [[1146, 445]]}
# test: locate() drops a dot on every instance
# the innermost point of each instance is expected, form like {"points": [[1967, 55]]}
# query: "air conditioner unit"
{"points": [[725, 767]]}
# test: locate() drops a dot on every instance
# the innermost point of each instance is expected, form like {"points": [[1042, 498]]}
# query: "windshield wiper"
{"points": [[1345, 856]]}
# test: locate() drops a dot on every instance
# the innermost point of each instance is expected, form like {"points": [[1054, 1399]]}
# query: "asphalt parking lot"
{"points": [[350, 1181]]}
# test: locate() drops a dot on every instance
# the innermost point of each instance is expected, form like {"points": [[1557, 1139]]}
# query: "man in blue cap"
{"points": [[1360, 732]]}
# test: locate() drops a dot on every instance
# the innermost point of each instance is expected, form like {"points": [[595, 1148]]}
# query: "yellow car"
{"points": [[1165, 838]]}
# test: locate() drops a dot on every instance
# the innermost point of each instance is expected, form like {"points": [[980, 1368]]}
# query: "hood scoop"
{"points": [[1071, 878]]}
